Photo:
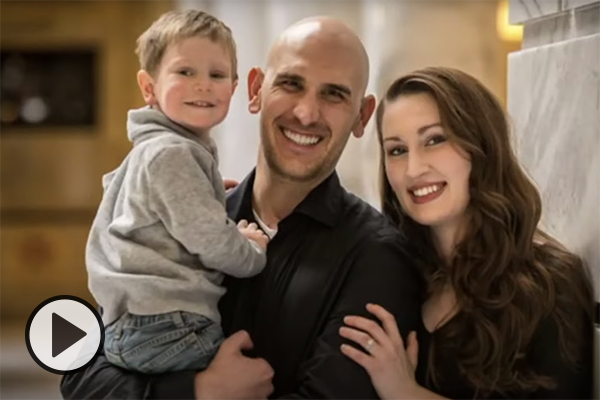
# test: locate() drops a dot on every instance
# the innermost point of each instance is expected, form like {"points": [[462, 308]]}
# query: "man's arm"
{"points": [[230, 375], [102, 380], [382, 274]]}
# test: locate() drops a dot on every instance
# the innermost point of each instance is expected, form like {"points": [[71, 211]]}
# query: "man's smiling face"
{"points": [[309, 101]]}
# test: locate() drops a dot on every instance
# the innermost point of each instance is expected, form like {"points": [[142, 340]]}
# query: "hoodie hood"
{"points": [[146, 123]]}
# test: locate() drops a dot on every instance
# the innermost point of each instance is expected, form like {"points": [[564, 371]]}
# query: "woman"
{"points": [[508, 309]]}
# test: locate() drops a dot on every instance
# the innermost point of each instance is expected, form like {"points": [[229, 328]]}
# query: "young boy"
{"points": [[161, 241]]}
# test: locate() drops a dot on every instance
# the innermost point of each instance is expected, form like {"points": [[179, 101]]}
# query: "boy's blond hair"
{"points": [[174, 26]]}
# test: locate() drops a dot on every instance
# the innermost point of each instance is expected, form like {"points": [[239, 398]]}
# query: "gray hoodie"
{"points": [[161, 240]]}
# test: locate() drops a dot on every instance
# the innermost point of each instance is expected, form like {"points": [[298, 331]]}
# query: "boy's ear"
{"points": [[146, 84], [255, 81], [366, 111]]}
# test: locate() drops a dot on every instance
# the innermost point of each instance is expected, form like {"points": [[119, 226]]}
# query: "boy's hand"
{"points": [[229, 184], [252, 232]]}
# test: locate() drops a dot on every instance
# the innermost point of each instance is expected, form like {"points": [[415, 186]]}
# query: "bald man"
{"points": [[330, 253]]}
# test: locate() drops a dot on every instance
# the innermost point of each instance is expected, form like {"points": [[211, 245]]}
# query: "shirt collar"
{"points": [[323, 203], [239, 199]]}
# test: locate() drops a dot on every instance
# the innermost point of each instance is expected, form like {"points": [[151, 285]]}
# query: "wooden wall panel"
{"points": [[51, 177]]}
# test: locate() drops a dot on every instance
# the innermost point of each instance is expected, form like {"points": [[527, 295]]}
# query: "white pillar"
{"points": [[553, 92]]}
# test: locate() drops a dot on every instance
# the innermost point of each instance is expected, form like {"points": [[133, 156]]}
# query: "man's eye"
{"points": [[218, 75], [185, 72], [334, 94], [291, 84]]}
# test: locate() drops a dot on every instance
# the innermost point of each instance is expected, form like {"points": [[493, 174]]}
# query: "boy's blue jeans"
{"points": [[153, 344]]}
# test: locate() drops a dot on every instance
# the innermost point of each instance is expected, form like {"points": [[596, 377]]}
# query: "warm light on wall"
{"points": [[506, 31]]}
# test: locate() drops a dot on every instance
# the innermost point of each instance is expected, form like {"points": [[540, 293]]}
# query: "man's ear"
{"points": [[234, 86], [146, 84], [366, 111], [255, 81]]}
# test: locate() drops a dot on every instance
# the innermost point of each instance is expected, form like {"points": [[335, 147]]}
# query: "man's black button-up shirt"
{"points": [[330, 257]]}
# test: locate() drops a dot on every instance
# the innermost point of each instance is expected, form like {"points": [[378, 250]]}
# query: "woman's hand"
{"points": [[390, 366]]}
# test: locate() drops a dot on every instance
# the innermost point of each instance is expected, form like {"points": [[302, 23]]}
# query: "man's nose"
{"points": [[307, 110]]}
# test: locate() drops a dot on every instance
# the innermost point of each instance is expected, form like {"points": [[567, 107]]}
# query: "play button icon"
{"points": [[64, 334]]}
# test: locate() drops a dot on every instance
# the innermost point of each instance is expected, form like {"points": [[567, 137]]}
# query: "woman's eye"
{"points": [[436, 139], [396, 151]]}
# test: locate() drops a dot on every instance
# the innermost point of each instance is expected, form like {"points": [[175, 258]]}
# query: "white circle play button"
{"points": [[64, 334]]}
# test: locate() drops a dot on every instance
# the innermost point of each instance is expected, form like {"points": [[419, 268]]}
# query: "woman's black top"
{"points": [[543, 357]]}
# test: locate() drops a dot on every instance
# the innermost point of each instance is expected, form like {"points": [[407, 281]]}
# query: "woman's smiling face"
{"points": [[428, 173]]}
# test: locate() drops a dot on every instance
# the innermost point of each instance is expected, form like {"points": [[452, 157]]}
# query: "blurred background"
{"points": [[67, 76]]}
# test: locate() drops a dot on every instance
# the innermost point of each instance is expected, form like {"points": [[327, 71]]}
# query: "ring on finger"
{"points": [[370, 344]]}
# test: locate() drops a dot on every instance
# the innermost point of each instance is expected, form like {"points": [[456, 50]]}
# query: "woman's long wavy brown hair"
{"points": [[507, 274]]}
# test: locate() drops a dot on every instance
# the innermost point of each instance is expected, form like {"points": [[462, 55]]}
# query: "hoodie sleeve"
{"points": [[182, 196]]}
